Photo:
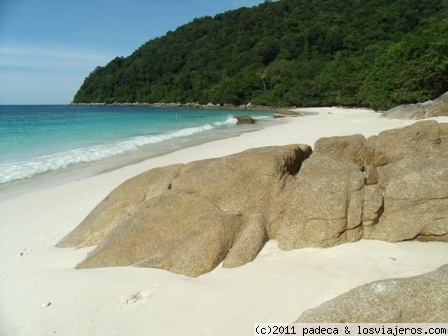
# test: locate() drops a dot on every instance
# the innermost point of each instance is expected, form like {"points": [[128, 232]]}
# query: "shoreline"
{"points": [[211, 106], [40, 284], [79, 171]]}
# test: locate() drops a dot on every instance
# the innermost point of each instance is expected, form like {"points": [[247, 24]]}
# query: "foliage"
{"points": [[412, 70], [290, 52]]}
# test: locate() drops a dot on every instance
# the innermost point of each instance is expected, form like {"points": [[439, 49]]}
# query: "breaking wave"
{"points": [[13, 170]]}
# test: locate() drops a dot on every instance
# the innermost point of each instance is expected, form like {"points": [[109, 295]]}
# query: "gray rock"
{"points": [[428, 109], [285, 113], [419, 299], [244, 120]]}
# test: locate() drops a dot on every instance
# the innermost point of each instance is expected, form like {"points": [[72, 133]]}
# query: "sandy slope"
{"points": [[276, 287]]}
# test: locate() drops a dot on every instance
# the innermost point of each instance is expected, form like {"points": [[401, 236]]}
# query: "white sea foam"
{"points": [[21, 169], [231, 120]]}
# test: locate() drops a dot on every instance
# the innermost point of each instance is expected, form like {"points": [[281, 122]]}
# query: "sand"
{"points": [[42, 294]]}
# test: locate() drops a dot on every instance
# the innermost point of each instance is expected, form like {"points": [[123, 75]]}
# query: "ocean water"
{"points": [[36, 141]]}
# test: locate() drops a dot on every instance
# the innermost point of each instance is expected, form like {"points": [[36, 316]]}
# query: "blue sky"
{"points": [[48, 47]]}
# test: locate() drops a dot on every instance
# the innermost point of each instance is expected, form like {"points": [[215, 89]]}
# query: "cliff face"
{"points": [[431, 108], [190, 218]]}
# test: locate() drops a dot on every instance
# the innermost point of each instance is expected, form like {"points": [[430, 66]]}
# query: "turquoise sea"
{"points": [[36, 141]]}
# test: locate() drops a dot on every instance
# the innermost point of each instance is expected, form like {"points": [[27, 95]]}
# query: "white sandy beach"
{"points": [[42, 294]]}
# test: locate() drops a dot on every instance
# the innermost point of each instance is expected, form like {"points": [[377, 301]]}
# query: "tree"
{"points": [[374, 53], [410, 71]]}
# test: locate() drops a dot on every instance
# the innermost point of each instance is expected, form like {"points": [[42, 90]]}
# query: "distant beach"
{"points": [[42, 294]]}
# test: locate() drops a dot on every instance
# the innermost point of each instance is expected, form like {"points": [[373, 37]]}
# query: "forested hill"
{"points": [[375, 53]]}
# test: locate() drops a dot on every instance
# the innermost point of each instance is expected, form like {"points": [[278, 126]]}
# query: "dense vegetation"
{"points": [[376, 53]]}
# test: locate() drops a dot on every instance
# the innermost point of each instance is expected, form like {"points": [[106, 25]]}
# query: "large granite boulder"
{"points": [[119, 203], [326, 198], [431, 108], [190, 218], [250, 240], [420, 140], [390, 187], [418, 299], [415, 203], [324, 204], [159, 234], [413, 176]]}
